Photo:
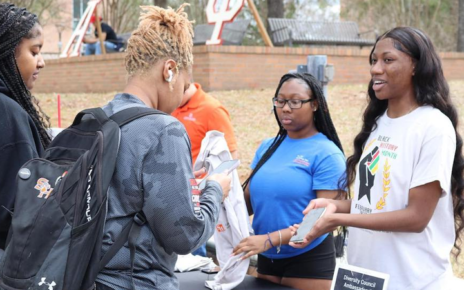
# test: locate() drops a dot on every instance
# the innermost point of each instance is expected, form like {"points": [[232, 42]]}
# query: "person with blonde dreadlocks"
{"points": [[153, 172], [22, 123]]}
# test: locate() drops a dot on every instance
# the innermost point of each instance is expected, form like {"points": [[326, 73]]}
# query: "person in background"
{"points": [[303, 162], [92, 43], [22, 122], [200, 113], [406, 171]]}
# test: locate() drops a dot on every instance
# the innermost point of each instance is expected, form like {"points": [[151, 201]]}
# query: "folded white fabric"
{"points": [[233, 223], [191, 262], [231, 277]]}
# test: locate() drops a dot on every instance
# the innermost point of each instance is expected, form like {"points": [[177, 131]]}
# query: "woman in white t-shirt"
{"points": [[406, 171]]}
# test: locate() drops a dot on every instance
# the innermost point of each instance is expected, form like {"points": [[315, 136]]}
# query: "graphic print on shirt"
{"points": [[367, 169], [385, 186], [301, 160], [195, 195], [190, 117], [378, 161], [389, 153]]}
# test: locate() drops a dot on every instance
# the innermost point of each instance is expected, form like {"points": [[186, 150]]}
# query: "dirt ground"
{"points": [[251, 114]]}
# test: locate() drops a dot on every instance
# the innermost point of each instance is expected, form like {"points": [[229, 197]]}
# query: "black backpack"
{"points": [[61, 206]]}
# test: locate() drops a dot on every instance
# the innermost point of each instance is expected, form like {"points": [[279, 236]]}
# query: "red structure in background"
{"points": [[225, 13], [58, 99], [74, 44]]}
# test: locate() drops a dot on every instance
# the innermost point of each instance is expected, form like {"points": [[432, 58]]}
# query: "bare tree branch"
{"points": [[460, 33], [437, 18]]}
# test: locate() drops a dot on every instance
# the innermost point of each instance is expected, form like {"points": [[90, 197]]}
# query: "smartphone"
{"points": [[307, 224], [212, 270], [225, 167]]}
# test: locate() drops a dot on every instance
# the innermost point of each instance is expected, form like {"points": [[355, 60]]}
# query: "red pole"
{"points": [[59, 110]]}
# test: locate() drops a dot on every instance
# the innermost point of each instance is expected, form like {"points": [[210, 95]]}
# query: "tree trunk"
{"points": [[161, 3], [275, 9], [461, 26]]}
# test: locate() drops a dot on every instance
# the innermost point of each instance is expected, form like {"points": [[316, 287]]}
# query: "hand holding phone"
{"points": [[307, 224], [225, 167]]}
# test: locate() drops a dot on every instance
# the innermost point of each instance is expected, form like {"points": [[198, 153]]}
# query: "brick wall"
{"points": [[221, 68]]}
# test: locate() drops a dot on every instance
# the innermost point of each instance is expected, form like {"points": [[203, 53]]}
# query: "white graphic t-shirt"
{"points": [[401, 154]]}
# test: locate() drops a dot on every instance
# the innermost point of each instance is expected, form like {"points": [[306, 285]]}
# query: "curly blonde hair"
{"points": [[162, 33]]}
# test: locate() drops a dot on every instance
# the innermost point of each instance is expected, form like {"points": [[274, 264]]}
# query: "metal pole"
{"points": [[316, 65]]}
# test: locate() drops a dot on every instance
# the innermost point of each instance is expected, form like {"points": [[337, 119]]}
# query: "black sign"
{"points": [[347, 279]]}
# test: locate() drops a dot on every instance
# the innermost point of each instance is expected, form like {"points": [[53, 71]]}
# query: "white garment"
{"points": [[52, 132], [401, 154], [233, 224], [191, 262]]}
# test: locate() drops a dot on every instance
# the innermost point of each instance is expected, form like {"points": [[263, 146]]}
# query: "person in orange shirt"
{"points": [[200, 113]]}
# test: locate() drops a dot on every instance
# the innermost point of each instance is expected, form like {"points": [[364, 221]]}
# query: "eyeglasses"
{"points": [[293, 104]]}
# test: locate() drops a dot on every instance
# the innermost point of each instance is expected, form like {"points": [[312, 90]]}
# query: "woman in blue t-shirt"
{"points": [[303, 162]]}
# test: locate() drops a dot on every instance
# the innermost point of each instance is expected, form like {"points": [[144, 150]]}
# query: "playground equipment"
{"points": [[73, 46], [226, 14]]}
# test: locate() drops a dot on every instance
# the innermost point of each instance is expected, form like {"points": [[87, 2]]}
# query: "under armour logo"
{"points": [[44, 188], [225, 13], [50, 285]]}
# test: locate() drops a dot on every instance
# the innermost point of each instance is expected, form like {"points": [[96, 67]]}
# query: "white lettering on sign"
{"points": [[226, 12], [347, 277]]}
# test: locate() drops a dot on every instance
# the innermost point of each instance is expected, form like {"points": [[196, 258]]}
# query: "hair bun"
{"points": [[162, 33], [172, 19]]}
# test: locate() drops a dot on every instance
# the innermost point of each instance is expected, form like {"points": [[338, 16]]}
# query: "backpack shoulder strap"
{"points": [[130, 114], [130, 233]]}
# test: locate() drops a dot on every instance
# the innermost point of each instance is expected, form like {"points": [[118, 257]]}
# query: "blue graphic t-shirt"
{"points": [[288, 181]]}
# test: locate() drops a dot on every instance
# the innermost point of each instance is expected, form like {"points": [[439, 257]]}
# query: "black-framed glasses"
{"points": [[293, 104]]}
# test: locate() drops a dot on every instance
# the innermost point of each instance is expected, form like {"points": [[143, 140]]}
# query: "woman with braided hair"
{"points": [[22, 123], [153, 172], [303, 162]]}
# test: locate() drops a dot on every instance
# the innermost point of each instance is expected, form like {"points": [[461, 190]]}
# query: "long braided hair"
{"points": [[322, 119], [430, 88], [16, 24]]}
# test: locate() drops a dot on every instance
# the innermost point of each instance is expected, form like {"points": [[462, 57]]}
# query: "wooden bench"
{"points": [[289, 32]]}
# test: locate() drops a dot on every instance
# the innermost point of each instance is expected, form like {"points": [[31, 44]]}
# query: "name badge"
{"points": [[347, 277]]}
